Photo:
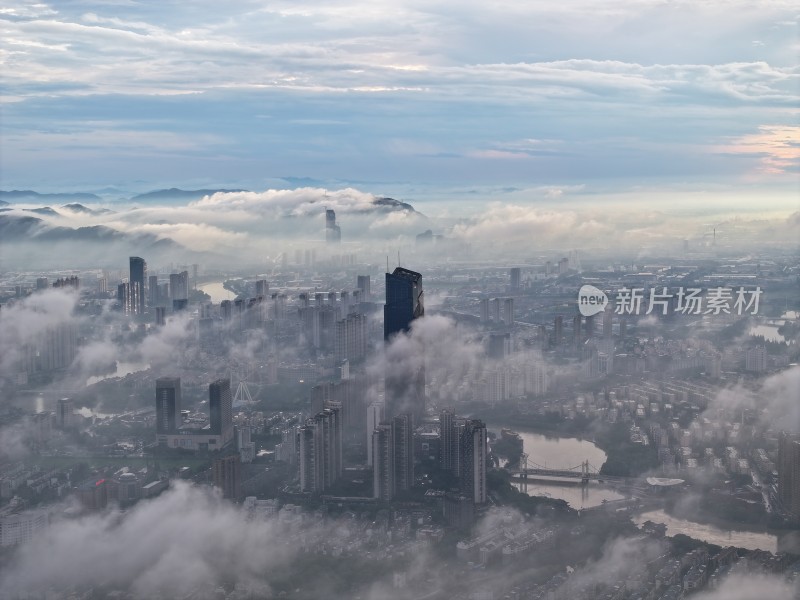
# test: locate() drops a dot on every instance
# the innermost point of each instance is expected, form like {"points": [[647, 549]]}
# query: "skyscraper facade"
{"points": [[383, 463], [168, 404], [226, 473], [64, 417], [220, 404], [448, 441], [320, 441], [473, 461], [374, 419], [363, 286], [138, 276], [351, 338], [405, 391], [404, 301], [515, 274], [179, 286], [153, 296], [508, 312], [403, 450]]}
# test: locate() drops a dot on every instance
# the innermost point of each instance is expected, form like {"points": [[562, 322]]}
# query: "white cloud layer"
{"points": [[403, 91]]}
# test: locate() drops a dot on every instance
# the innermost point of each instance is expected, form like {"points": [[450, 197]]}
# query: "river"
{"points": [[564, 452], [217, 292], [710, 533], [123, 369]]}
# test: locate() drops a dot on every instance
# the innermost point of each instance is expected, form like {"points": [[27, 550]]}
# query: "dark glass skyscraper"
{"points": [[220, 404], [404, 301], [405, 389], [138, 268], [168, 404]]}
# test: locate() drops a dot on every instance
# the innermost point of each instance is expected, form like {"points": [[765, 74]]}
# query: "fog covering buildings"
{"points": [[337, 440]]}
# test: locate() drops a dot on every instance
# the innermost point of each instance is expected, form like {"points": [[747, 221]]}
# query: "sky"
{"points": [[403, 98]]}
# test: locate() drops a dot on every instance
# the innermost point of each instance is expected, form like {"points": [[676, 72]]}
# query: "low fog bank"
{"points": [[259, 226]]}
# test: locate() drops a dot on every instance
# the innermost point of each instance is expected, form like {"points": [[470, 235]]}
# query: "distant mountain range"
{"points": [[80, 208], [31, 196], [168, 195], [15, 227], [178, 194]]}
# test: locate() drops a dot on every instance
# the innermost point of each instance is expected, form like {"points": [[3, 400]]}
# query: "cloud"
{"points": [[199, 541], [451, 356], [294, 203], [199, 237], [749, 587], [24, 322], [533, 226], [774, 398], [778, 146], [393, 92]]}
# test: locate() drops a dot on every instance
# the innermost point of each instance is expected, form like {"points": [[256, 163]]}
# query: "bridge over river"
{"points": [[584, 471]]}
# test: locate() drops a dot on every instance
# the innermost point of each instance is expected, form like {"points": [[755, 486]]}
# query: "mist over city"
{"points": [[399, 300]]}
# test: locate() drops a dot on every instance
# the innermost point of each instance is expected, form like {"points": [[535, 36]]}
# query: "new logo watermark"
{"points": [[591, 300], [686, 301]]}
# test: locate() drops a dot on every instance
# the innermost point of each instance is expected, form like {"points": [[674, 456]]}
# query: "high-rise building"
{"points": [[220, 404], [363, 286], [536, 380], [484, 310], [473, 461], [52, 349], [495, 310], [138, 276], [321, 451], [288, 450], [262, 288], [515, 274], [383, 486], [403, 443], [153, 296], [405, 392], [179, 286], [124, 297], [168, 404], [42, 283], [333, 233], [789, 473], [351, 338], [374, 419], [310, 458], [508, 312], [64, 410], [499, 345], [755, 359], [448, 441], [226, 473], [404, 301]]}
